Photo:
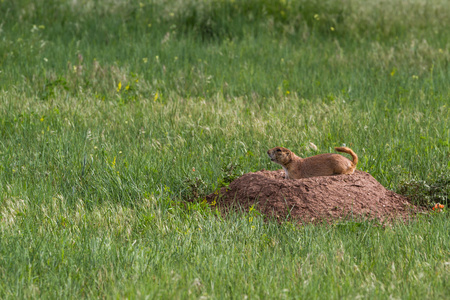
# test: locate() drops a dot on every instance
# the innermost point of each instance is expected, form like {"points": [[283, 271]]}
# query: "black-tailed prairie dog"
{"points": [[318, 165]]}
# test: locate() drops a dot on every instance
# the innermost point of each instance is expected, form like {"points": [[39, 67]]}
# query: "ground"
{"points": [[358, 196]]}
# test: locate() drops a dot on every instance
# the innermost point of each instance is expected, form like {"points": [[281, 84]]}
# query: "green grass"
{"points": [[108, 107]]}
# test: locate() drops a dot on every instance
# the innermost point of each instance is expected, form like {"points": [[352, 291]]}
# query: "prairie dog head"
{"points": [[280, 155]]}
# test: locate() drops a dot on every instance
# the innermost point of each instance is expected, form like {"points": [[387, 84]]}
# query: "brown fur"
{"points": [[318, 165]]}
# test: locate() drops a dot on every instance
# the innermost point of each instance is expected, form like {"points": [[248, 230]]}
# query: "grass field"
{"points": [[113, 113]]}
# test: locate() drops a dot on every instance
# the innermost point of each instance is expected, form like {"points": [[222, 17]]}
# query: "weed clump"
{"points": [[423, 193], [231, 171], [194, 188]]}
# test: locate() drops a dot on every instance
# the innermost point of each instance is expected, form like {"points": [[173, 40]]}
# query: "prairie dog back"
{"points": [[318, 165]]}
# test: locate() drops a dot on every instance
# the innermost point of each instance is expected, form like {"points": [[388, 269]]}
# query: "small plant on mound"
{"points": [[230, 171], [438, 208], [425, 193]]}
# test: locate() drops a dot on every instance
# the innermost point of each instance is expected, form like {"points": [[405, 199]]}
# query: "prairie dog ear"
{"points": [[290, 153]]}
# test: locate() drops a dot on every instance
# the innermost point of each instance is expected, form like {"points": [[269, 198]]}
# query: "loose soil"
{"points": [[327, 198]]}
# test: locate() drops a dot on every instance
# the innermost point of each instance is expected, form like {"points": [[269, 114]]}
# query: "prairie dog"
{"points": [[318, 165]]}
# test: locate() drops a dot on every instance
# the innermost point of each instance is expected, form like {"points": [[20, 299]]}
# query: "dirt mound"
{"points": [[313, 199]]}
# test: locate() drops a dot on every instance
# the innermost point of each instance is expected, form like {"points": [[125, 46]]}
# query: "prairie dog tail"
{"points": [[349, 151]]}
